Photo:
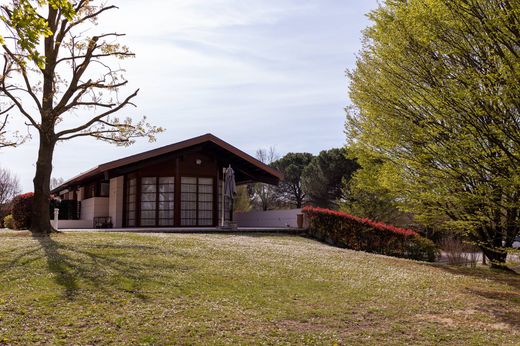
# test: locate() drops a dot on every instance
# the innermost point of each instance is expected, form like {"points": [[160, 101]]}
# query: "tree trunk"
{"points": [[497, 258], [40, 220]]}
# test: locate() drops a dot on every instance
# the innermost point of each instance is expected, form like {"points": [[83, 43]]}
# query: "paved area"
{"points": [[287, 230]]}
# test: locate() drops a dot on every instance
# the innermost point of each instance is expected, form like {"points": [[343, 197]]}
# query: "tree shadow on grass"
{"points": [[508, 278], [502, 305], [61, 265], [104, 267]]}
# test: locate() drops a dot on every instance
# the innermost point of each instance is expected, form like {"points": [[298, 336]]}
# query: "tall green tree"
{"points": [[292, 165], [365, 195], [435, 90], [325, 175], [242, 202], [62, 77]]}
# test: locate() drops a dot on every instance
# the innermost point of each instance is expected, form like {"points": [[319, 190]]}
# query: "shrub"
{"points": [[458, 252], [21, 210], [356, 233], [9, 222]]}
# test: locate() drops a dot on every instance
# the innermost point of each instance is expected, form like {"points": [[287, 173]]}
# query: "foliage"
{"points": [[264, 196], [21, 210], [242, 201], [324, 176], [366, 196], [436, 91], [292, 166], [356, 233], [8, 222], [65, 74]]}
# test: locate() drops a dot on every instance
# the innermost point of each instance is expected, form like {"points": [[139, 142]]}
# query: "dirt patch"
{"points": [[451, 322]]}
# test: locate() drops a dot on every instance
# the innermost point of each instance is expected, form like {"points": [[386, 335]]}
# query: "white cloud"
{"points": [[257, 73]]}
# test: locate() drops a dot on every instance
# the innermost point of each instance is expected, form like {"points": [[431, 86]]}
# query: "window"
{"points": [[104, 190], [148, 201], [188, 201], [90, 190], [166, 197], [157, 201], [196, 201], [130, 202], [205, 202]]}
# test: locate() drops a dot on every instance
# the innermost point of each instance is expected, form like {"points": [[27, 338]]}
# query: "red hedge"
{"points": [[357, 233], [21, 210]]}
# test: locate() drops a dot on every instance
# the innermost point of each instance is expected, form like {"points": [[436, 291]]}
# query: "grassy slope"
{"points": [[102, 288]]}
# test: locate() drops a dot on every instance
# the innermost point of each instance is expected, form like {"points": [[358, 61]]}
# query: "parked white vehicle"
{"points": [[516, 242]]}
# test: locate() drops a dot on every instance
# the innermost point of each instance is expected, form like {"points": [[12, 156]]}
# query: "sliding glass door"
{"points": [[151, 202], [157, 201], [196, 201], [165, 200]]}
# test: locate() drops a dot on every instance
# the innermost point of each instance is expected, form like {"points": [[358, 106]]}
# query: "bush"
{"points": [[356, 233], [3, 213], [21, 210], [8, 222], [458, 252]]}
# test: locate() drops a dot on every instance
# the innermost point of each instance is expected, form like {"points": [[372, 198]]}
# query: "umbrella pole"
{"points": [[232, 204], [223, 207]]}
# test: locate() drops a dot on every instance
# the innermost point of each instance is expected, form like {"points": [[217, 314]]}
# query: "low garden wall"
{"points": [[73, 224], [269, 218], [356, 233]]}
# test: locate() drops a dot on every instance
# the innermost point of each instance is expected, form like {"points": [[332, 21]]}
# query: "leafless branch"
{"points": [[97, 118]]}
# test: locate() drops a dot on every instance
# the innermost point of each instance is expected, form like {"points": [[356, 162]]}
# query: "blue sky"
{"points": [[254, 73]]}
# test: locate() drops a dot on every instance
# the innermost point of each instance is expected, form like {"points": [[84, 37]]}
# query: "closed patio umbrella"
{"points": [[230, 188]]}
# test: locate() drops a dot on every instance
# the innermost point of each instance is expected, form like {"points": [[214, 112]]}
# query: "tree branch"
{"points": [[98, 117]]}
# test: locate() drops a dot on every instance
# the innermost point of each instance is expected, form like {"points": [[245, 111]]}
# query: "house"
{"points": [[178, 185]]}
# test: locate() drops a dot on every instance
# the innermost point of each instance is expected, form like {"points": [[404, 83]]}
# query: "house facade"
{"points": [[178, 185]]}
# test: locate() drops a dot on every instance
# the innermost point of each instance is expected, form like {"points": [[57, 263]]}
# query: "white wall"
{"points": [[90, 208], [115, 206], [269, 218], [94, 207], [73, 224]]}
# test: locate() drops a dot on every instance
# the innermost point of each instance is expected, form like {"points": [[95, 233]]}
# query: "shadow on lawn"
{"points": [[508, 278], [502, 305], [76, 268]]}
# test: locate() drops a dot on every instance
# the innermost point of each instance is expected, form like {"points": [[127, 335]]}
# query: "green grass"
{"points": [[117, 288]]}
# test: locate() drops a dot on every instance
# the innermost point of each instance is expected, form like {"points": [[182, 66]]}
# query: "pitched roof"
{"points": [[100, 169]]}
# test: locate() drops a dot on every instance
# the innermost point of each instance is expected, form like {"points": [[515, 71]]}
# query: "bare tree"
{"points": [[8, 138], [9, 186], [264, 195], [55, 182], [64, 80]]}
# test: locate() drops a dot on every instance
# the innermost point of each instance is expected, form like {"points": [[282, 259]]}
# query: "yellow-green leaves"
{"points": [[436, 91], [30, 27]]}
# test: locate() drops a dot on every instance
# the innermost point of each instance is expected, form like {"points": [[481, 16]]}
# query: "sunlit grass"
{"points": [[106, 288]]}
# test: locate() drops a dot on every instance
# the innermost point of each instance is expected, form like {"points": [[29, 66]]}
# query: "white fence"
{"points": [[73, 224], [269, 218]]}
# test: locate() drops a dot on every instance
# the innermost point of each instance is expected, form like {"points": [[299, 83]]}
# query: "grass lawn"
{"points": [[119, 288]]}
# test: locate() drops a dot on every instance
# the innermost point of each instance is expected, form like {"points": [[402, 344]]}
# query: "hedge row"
{"points": [[21, 209], [356, 233]]}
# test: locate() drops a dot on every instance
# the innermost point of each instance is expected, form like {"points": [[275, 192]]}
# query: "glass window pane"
{"points": [[147, 222], [130, 201], [148, 181], [206, 181]]}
